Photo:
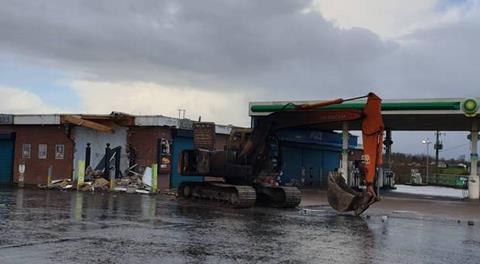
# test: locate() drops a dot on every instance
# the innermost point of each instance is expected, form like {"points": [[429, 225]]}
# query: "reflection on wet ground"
{"points": [[40, 226]]}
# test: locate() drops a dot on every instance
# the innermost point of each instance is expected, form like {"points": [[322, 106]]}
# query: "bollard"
{"points": [[112, 183], [21, 180], [80, 173], [154, 178], [21, 177], [118, 152], [49, 176], [88, 154], [106, 171]]}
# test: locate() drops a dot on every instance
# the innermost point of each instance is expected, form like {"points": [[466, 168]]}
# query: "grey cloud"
{"points": [[268, 50], [271, 46], [436, 62]]}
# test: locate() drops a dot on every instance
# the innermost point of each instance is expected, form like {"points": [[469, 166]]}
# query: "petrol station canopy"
{"points": [[445, 114]]}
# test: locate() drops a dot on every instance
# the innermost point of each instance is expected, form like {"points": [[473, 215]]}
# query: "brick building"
{"points": [[60, 141]]}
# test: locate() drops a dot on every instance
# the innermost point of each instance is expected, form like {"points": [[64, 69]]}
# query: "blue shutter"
{"points": [[6, 161]]}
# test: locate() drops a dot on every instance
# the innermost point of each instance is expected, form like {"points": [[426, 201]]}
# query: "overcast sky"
{"points": [[212, 57]]}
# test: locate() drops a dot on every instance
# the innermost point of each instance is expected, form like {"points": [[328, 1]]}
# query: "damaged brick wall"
{"points": [[37, 169], [221, 141], [144, 142]]}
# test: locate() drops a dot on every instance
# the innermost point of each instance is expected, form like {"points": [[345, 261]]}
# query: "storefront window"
{"points": [[26, 151], [42, 151], [59, 151]]}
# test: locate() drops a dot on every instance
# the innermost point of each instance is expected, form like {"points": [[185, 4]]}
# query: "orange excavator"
{"points": [[248, 168]]}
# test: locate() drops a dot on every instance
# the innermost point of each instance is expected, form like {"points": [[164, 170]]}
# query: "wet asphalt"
{"points": [[38, 226]]}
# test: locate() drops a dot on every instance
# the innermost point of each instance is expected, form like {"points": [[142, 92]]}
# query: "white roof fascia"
{"points": [[156, 121], [36, 120]]}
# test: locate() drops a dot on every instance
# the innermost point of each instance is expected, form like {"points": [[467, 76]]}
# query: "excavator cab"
{"points": [[236, 142]]}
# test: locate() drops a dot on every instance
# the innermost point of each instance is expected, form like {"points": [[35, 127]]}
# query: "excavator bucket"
{"points": [[343, 199]]}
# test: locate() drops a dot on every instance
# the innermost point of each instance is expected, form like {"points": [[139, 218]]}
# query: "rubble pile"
{"points": [[99, 184], [58, 184], [136, 181], [131, 184], [92, 173]]}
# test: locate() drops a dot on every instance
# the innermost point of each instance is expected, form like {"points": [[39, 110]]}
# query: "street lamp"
{"points": [[427, 142]]}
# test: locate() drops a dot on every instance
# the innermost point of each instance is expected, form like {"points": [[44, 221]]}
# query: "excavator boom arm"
{"points": [[340, 196], [372, 136], [312, 114]]}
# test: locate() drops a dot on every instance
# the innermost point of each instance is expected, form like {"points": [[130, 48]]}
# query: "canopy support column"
{"points": [[345, 139], [473, 180], [387, 173]]}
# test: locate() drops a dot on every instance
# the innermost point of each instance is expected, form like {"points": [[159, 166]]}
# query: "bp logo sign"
{"points": [[470, 107]]}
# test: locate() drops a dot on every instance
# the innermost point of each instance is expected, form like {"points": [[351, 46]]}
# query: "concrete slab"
{"points": [[420, 206], [75, 227]]}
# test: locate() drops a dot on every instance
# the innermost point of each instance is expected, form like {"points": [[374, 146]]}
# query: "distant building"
{"points": [[442, 164]]}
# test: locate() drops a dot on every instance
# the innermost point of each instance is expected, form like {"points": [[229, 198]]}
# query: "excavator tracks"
{"points": [[238, 196], [278, 196], [242, 196], [293, 197]]}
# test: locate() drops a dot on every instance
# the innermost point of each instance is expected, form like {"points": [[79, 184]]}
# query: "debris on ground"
{"points": [[170, 192], [133, 181], [137, 180], [99, 184], [90, 173], [147, 176], [120, 189], [57, 184]]}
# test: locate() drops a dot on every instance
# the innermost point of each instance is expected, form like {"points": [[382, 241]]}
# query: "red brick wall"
{"points": [[36, 169], [144, 141], [220, 141]]}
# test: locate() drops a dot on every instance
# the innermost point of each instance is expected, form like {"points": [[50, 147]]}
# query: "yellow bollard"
{"points": [[112, 182], [154, 178], [49, 176], [80, 174]]}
